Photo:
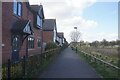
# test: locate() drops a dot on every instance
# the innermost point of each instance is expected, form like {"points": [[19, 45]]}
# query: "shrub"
{"points": [[50, 45]]}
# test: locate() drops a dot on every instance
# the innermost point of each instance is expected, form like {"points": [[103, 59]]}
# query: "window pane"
{"points": [[19, 9], [15, 7], [39, 21], [38, 42], [16, 43], [31, 43]]}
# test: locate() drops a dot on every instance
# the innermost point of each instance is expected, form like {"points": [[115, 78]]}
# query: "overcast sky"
{"points": [[95, 20]]}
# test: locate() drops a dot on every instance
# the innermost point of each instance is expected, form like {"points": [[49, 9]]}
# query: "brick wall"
{"points": [[8, 18], [36, 49], [37, 34], [6, 26], [0, 33], [48, 36]]}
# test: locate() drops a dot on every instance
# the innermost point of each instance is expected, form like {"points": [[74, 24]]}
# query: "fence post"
{"points": [[9, 69], [104, 67], [42, 58], [46, 55], [76, 49], [90, 57], [119, 68], [23, 67]]}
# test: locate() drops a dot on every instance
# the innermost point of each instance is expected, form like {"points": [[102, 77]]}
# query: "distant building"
{"points": [[60, 38], [49, 30]]}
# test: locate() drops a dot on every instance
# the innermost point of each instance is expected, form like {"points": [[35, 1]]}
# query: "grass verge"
{"points": [[105, 71]]}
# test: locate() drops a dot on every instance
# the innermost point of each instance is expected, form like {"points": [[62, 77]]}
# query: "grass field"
{"points": [[107, 54]]}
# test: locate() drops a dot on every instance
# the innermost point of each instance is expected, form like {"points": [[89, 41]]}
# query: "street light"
{"points": [[75, 28], [76, 40]]}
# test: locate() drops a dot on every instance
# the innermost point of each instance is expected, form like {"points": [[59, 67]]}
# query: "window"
{"points": [[39, 22], [17, 8], [16, 43], [54, 38], [38, 41], [30, 43]]}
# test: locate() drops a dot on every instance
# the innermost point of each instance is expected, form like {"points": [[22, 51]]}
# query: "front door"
{"points": [[15, 48]]}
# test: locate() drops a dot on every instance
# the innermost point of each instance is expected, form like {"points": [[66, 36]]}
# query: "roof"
{"points": [[60, 34], [35, 7], [38, 9], [49, 25], [19, 25]]}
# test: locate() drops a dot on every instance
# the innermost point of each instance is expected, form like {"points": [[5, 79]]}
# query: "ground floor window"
{"points": [[16, 43], [31, 42], [38, 42]]}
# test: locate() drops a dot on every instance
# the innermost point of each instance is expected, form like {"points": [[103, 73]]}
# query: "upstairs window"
{"points": [[17, 8], [39, 22]]}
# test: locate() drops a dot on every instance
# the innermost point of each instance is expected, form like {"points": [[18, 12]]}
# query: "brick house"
{"points": [[20, 30], [38, 15], [60, 38], [49, 30], [0, 33]]}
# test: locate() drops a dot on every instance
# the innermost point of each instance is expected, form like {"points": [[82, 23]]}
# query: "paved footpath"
{"points": [[69, 65]]}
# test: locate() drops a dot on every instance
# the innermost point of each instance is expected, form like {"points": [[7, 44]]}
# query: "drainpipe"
{"points": [[42, 37], [27, 46], [41, 41], [27, 36]]}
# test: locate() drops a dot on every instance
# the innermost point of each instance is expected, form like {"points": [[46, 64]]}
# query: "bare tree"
{"points": [[75, 36]]}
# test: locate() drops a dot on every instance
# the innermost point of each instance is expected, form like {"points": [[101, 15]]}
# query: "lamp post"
{"points": [[75, 28], [76, 40]]}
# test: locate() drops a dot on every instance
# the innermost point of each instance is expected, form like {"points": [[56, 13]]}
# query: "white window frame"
{"points": [[17, 8]]}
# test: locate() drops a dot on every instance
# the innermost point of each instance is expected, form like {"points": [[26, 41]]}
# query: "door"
{"points": [[15, 48]]}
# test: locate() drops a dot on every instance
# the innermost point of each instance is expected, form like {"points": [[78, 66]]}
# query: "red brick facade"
{"points": [[8, 18], [36, 35], [48, 36], [0, 32]]}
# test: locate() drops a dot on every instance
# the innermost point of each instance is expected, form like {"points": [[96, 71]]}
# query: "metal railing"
{"points": [[97, 60], [27, 67], [107, 63]]}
